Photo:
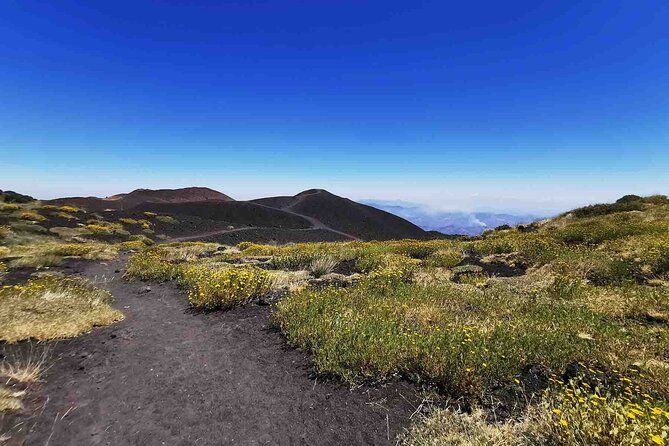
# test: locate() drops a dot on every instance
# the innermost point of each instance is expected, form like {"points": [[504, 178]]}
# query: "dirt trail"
{"points": [[169, 376], [315, 224]]}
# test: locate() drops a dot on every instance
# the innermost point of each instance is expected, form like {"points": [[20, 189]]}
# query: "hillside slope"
{"points": [[139, 196], [342, 214], [235, 213]]}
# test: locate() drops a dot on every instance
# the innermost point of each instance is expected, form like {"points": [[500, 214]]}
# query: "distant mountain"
{"points": [[141, 196], [465, 223], [312, 215]]}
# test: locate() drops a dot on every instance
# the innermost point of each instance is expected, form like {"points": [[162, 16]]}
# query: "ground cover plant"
{"points": [[594, 291]]}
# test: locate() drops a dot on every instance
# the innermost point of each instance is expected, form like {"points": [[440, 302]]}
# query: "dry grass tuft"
{"points": [[322, 265], [51, 307], [25, 364]]}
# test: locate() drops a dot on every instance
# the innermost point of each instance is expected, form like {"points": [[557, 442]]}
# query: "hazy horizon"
{"points": [[441, 202]]}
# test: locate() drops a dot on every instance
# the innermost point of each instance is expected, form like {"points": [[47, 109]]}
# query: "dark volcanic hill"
{"points": [[140, 196], [205, 214], [235, 213], [342, 214]]}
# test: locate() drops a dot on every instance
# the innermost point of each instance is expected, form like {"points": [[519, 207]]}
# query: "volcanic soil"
{"points": [[169, 376]]}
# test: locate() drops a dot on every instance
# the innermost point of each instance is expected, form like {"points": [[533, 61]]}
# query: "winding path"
{"points": [[315, 224], [169, 376]]}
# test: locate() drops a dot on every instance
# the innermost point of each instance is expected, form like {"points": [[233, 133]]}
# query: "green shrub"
{"points": [[106, 228], [606, 209], [148, 265], [64, 215], [167, 219], [141, 238], [224, 288], [629, 199], [9, 196], [31, 216], [444, 258], [69, 209]]}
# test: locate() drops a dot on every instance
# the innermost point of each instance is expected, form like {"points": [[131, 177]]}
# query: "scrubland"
{"points": [[554, 333]]}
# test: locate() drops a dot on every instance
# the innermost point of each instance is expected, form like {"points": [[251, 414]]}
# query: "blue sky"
{"points": [[528, 106]]}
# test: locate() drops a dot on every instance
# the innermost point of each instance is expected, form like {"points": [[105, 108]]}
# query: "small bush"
{"points": [[5, 231], [128, 221], [444, 258], [106, 228], [64, 215], [132, 244], [606, 209], [224, 288], [69, 209], [28, 228], [36, 261], [187, 252], [69, 233], [31, 216], [150, 214], [149, 265], [374, 261], [657, 200], [580, 413], [167, 219], [9, 196], [5, 207], [629, 199], [565, 287]]}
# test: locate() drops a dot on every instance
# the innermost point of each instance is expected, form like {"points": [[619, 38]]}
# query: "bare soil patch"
{"points": [[168, 375]]}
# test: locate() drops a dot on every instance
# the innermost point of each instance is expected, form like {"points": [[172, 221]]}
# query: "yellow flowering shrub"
{"points": [[31, 216], [444, 258], [69, 209], [106, 228], [9, 207], [64, 215], [149, 265], [224, 288], [592, 414]]}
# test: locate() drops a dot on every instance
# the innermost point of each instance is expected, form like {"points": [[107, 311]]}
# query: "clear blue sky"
{"points": [[508, 105]]}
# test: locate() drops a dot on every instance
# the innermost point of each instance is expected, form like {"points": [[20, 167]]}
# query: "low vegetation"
{"points": [[53, 307], [564, 324]]}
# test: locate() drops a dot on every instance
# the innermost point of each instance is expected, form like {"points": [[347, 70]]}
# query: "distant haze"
{"points": [[465, 223]]}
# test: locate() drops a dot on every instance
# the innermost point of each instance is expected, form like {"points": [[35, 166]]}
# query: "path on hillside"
{"points": [[169, 376], [315, 224]]}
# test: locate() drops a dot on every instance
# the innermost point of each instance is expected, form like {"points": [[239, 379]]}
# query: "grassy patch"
{"points": [[51, 308]]}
